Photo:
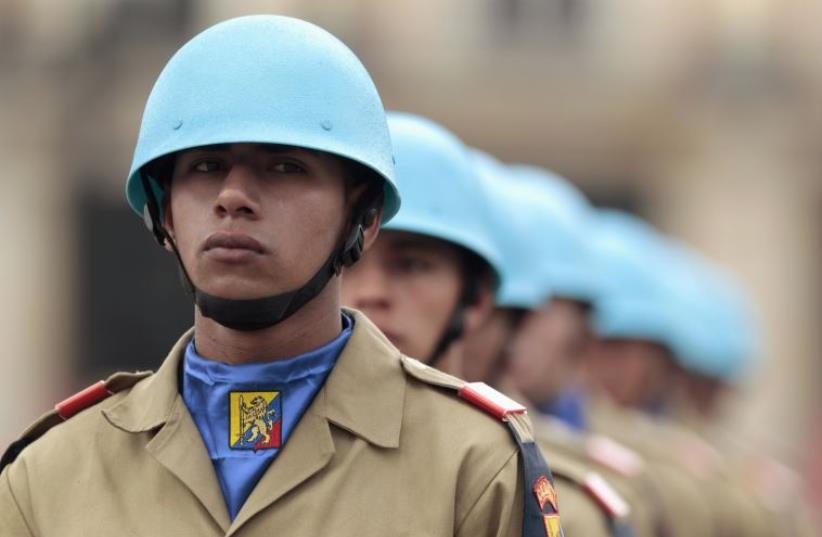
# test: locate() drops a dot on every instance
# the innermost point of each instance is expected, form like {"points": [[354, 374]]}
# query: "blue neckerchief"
{"points": [[245, 413], [657, 409], [569, 406]]}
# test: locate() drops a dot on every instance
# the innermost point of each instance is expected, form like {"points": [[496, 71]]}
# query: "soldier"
{"points": [[430, 277], [548, 346], [400, 283], [264, 164], [537, 219], [437, 261], [719, 341], [632, 355], [545, 352], [645, 328]]}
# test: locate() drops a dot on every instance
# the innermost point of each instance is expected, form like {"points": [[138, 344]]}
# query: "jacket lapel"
{"points": [[308, 450], [364, 394], [180, 449], [157, 404]]}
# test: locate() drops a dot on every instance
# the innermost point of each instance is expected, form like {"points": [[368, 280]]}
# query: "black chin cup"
{"points": [[258, 313]]}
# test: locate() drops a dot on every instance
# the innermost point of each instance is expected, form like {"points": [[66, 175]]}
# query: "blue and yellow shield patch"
{"points": [[255, 420]]}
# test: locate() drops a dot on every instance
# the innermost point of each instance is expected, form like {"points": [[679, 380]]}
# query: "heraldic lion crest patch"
{"points": [[255, 420]]}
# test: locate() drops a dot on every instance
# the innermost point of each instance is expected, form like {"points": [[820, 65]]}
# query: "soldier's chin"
{"points": [[239, 289]]}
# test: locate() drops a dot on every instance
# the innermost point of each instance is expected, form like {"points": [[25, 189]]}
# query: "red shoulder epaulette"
{"points": [[490, 400], [613, 455], [477, 393], [68, 408], [82, 400], [605, 496]]}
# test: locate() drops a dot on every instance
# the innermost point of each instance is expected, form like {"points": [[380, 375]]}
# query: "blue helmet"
{"points": [[561, 233], [514, 229], [441, 189], [265, 79], [539, 223], [635, 302], [718, 334]]}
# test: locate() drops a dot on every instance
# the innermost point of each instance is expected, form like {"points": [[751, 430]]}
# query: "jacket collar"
{"points": [[364, 393]]}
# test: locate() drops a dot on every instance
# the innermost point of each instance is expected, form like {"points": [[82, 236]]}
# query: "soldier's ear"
{"points": [[477, 313], [168, 218], [371, 228]]}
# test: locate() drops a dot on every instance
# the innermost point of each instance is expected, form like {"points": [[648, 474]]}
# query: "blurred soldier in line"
{"points": [[549, 343], [429, 281], [544, 336], [532, 225], [719, 341], [673, 335], [634, 360]]}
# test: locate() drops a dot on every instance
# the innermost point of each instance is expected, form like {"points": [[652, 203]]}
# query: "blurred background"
{"points": [[705, 117]]}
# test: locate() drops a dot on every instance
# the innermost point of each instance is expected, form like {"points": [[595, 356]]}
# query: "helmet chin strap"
{"points": [[452, 332], [455, 326], [258, 313]]}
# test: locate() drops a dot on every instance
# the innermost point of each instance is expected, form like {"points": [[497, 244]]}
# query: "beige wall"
{"points": [[35, 270]]}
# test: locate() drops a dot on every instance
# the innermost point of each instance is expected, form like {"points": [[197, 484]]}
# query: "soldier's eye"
{"points": [[206, 166], [288, 167], [410, 265]]}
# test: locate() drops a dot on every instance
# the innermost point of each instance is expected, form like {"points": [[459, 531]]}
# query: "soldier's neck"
{"points": [[312, 326]]}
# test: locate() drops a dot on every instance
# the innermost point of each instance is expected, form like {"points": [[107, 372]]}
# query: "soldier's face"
{"points": [[486, 347], [547, 349], [252, 220], [634, 373], [409, 286]]}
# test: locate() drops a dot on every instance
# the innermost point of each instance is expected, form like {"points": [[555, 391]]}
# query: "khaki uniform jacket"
{"points": [[582, 516], [566, 448], [687, 508], [763, 496], [584, 512], [378, 452]]}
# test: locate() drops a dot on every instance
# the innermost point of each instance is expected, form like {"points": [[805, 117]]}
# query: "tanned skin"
{"points": [[254, 220]]}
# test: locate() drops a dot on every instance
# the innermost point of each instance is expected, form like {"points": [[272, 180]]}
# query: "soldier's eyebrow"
{"points": [[424, 244]]}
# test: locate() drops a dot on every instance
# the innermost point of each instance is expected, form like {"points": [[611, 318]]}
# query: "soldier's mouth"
{"points": [[232, 241]]}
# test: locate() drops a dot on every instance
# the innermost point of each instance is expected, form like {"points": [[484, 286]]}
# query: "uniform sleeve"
{"points": [[12, 522], [498, 511]]}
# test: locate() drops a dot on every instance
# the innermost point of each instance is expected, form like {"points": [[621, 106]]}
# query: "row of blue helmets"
{"points": [[544, 239], [278, 80]]}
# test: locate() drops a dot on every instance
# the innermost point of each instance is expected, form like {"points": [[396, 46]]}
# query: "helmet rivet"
{"points": [[177, 124], [326, 125]]}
